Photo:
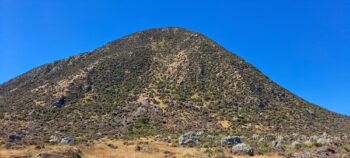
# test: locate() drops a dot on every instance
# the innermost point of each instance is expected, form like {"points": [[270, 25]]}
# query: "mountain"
{"points": [[162, 80]]}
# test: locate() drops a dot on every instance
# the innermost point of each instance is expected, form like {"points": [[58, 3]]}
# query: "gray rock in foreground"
{"points": [[67, 140], [189, 138], [243, 149], [231, 140]]}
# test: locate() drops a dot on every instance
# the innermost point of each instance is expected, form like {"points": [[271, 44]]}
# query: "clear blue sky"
{"points": [[303, 45]]}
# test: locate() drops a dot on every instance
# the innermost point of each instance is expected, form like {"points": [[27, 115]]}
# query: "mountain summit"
{"points": [[154, 81]]}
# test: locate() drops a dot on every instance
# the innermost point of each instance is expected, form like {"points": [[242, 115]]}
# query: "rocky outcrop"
{"points": [[58, 102]]}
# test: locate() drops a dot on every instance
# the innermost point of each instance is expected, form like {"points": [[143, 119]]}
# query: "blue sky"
{"points": [[303, 45]]}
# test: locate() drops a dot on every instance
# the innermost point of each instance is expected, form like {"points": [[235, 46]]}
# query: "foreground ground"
{"points": [[189, 145], [142, 148]]}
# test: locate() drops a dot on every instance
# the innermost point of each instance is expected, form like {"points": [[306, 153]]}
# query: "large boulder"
{"points": [[230, 140], [243, 149], [189, 138], [67, 140], [13, 138]]}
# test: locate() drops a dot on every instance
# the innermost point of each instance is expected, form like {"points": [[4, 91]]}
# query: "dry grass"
{"points": [[30, 150], [177, 60], [161, 104], [224, 123], [143, 148]]}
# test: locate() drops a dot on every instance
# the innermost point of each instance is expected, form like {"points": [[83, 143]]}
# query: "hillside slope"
{"points": [[154, 81]]}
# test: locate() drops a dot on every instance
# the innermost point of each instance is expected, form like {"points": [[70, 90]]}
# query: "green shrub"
{"points": [[142, 127], [262, 148]]}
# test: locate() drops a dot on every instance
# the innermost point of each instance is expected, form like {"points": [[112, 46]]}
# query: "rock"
{"points": [[255, 137], [13, 138], [70, 153], [261, 139], [296, 145], [336, 139], [138, 148], [139, 111], [67, 140], [168, 154], [314, 138], [303, 138], [57, 132], [210, 136], [112, 146], [275, 92], [31, 113], [324, 140], [58, 102], [74, 153], [344, 137], [53, 139], [298, 137], [144, 102], [231, 140], [47, 155], [87, 88], [325, 151], [99, 135], [127, 143], [258, 103], [157, 137], [304, 154], [277, 143], [243, 149], [189, 138], [200, 133], [38, 147], [324, 135]]}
